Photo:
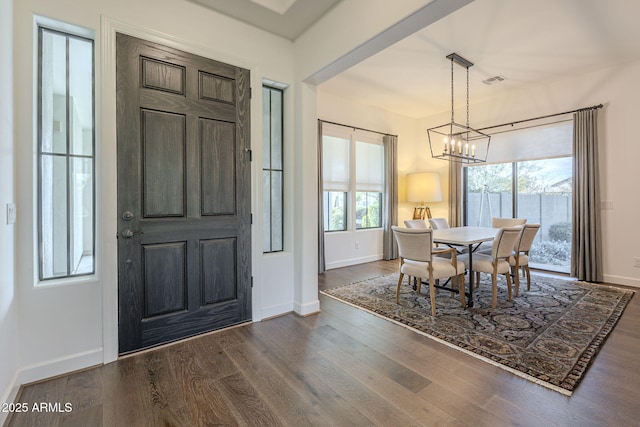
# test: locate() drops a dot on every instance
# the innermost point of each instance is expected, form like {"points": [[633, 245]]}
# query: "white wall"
{"points": [[618, 90], [8, 299]]}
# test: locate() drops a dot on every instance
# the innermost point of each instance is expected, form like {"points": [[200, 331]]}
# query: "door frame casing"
{"points": [[106, 167]]}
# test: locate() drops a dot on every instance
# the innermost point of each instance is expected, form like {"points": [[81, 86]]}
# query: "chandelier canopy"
{"points": [[456, 142]]}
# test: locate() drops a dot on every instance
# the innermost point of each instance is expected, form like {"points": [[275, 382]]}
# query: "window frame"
{"points": [[271, 169], [42, 25], [515, 171]]}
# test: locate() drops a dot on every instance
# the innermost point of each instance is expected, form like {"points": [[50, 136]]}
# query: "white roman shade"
{"points": [[533, 143], [369, 167], [335, 163]]}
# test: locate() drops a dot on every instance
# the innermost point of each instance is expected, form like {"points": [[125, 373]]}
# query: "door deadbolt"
{"points": [[127, 215]]}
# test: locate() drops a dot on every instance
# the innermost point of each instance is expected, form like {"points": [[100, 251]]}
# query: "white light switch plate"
{"points": [[11, 213]]}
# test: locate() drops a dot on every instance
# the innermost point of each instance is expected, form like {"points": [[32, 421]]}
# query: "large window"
{"points": [[272, 169], [353, 180], [538, 189], [66, 196]]}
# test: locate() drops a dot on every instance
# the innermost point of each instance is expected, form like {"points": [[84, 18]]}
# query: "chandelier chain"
{"points": [[467, 96], [452, 120]]}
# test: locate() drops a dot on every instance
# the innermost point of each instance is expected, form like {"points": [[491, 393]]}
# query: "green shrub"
{"points": [[560, 232]]}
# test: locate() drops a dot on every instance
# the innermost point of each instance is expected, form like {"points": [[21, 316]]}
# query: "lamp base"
{"points": [[419, 212]]}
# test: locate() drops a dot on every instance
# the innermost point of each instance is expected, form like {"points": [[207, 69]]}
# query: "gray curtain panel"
{"points": [[455, 194], [390, 208], [586, 248], [321, 260]]}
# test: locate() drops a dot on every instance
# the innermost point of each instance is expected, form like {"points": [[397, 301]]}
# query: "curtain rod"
{"points": [[543, 117], [356, 127]]}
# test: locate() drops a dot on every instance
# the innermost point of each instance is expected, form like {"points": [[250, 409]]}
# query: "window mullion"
{"points": [[68, 150], [352, 183]]}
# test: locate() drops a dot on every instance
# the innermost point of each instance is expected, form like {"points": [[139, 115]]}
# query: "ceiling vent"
{"points": [[494, 80]]}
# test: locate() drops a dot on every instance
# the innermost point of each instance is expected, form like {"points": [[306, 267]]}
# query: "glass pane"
{"points": [[53, 104], [81, 96], [335, 217], [81, 205], [53, 205], [266, 128], [276, 211], [266, 211], [276, 129], [368, 208], [489, 190], [544, 197]]}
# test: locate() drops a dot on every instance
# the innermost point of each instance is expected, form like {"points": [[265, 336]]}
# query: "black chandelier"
{"points": [[456, 142]]}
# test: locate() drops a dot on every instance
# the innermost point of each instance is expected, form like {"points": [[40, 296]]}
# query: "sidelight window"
{"points": [[272, 169], [66, 154]]}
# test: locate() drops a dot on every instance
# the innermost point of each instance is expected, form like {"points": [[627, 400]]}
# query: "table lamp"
{"points": [[423, 187]]}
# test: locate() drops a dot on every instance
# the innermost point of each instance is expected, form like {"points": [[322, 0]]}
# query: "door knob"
{"points": [[127, 234]]}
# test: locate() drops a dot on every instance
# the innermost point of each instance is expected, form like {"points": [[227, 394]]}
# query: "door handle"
{"points": [[128, 234]]}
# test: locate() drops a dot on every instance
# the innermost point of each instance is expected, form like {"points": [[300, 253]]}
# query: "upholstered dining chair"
{"points": [[507, 222], [485, 248], [520, 257], [415, 223], [438, 223], [416, 259], [497, 262]]}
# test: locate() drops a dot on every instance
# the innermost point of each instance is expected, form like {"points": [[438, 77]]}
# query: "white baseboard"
{"points": [[60, 366], [276, 310], [621, 280], [9, 395], [353, 261], [306, 309]]}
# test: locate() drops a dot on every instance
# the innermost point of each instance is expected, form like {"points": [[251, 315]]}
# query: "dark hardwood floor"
{"points": [[340, 367]]}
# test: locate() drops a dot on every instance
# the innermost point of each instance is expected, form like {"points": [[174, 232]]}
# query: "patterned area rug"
{"points": [[548, 335]]}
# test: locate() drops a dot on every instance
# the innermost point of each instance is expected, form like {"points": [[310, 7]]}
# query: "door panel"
{"points": [[164, 147], [183, 194], [218, 284], [218, 175], [165, 282]]}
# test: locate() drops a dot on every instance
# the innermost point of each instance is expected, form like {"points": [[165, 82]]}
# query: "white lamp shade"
{"points": [[424, 187]]}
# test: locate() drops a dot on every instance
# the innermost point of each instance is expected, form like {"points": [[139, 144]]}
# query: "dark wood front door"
{"points": [[184, 256]]}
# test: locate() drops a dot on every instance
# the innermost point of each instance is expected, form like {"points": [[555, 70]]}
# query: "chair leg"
{"points": [[508, 276], [494, 285], [398, 290], [460, 280], [526, 267], [432, 294], [477, 279], [516, 279]]}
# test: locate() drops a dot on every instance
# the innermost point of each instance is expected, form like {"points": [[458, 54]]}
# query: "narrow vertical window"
{"points": [[336, 180], [272, 169], [66, 188]]}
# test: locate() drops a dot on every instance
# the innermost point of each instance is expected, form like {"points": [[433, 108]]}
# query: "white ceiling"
{"points": [[526, 41], [286, 18]]}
